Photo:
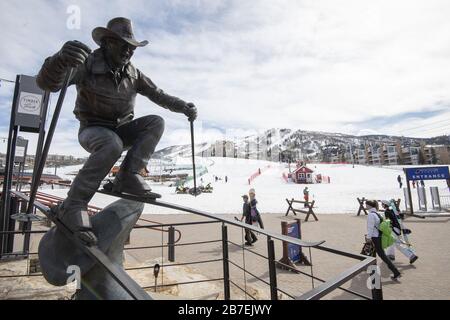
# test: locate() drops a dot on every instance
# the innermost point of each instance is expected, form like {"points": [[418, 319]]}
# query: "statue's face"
{"points": [[119, 52]]}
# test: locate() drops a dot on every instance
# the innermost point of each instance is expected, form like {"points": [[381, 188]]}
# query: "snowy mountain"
{"points": [[285, 144]]}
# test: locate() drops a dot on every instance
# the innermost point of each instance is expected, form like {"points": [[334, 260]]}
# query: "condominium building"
{"points": [[436, 154], [390, 154], [410, 155]]}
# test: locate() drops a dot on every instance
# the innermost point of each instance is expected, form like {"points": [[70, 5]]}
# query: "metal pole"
{"points": [[6, 176], [171, 244], [272, 269], [377, 288], [48, 141], [9, 169], [39, 147], [410, 197], [193, 156], [226, 267]]}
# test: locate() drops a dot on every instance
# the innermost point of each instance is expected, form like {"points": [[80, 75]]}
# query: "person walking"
{"points": [[256, 216], [390, 214], [373, 223], [422, 183], [400, 183], [414, 184], [250, 236]]}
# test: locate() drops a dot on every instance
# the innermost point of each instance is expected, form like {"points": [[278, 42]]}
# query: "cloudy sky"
{"points": [[355, 67]]}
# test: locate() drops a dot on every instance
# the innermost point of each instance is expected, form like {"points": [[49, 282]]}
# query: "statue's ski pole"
{"points": [[193, 156], [48, 141]]}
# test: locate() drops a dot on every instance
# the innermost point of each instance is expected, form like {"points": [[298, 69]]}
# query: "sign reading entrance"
{"points": [[427, 173]]}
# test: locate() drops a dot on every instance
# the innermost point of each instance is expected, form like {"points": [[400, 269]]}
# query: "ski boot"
{"points": [[77, 220]]}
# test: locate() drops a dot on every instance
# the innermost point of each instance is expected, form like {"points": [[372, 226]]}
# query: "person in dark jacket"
{"points": [[107, 85], [250, 236], [399, 180], [256, 216], [398, 231]]}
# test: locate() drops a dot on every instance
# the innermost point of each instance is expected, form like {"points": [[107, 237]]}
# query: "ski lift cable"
{"points": [[437, 128], [425, 125]]}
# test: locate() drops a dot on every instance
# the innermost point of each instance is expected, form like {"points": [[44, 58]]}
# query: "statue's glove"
{"points": [[73, 53], [190, 110]]}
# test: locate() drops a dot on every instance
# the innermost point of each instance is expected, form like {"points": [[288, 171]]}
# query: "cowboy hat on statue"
{"points": [[107, 84]]}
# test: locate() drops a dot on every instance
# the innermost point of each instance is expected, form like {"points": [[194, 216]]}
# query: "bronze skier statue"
{"points": [[107, 84]]}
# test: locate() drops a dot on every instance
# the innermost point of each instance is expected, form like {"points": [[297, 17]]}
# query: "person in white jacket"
{"points": [[373, 223]]}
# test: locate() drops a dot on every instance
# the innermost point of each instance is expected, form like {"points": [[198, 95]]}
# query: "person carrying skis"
{"points": [[374, 221], [402, 246]]}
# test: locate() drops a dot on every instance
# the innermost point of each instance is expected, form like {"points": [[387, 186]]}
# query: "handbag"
{"points": [[368, 248]]}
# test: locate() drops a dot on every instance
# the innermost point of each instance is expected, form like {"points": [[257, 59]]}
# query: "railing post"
{"points": [[376, 285], [14, 209], [171, 244], [377, 293], [226, 267], [272, 269], [26, 226]]}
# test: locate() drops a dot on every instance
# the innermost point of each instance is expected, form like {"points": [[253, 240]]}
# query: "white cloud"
{"points": [[260, 64]]}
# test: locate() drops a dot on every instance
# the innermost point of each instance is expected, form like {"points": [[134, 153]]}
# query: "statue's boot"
{"points": [[76, 218], [131, 183]]}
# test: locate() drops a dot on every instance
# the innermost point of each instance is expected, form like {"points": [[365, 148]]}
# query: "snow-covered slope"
{"points": [[339, 196]]}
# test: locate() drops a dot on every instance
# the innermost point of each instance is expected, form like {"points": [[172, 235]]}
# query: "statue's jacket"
{"points": [[101, 99]]}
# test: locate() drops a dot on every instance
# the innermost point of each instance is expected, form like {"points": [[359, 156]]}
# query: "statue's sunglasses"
{"points": [[121, 45]]}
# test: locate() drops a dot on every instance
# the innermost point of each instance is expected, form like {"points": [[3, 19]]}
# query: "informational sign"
{"points": [[20, 152], [294, 250], [21, 149], [427, 173], [28, 104]]}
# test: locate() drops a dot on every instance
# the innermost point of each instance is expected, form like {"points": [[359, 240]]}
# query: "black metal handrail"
{"points": [[316, 293]]}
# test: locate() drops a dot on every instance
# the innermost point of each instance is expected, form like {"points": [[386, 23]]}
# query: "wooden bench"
{"points": [[308, 205]]}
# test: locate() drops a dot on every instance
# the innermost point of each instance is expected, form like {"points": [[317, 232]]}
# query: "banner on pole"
{"points": [[427, 173]]}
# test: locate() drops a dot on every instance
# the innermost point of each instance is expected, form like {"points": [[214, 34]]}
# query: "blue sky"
{"points": [[356, 67]]}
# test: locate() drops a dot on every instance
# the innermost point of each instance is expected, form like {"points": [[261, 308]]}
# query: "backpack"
{"points": [[254, 214], [387, 239]]}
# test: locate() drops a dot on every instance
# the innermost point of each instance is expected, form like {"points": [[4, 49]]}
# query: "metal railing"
{"points": [[138, 292]]}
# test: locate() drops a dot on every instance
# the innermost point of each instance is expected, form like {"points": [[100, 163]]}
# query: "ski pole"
{"points": [[193, 156], [48, 141]]}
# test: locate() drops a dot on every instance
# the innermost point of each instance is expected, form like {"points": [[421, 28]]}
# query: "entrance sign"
{"points": [[430, 173], [423, 173]]}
